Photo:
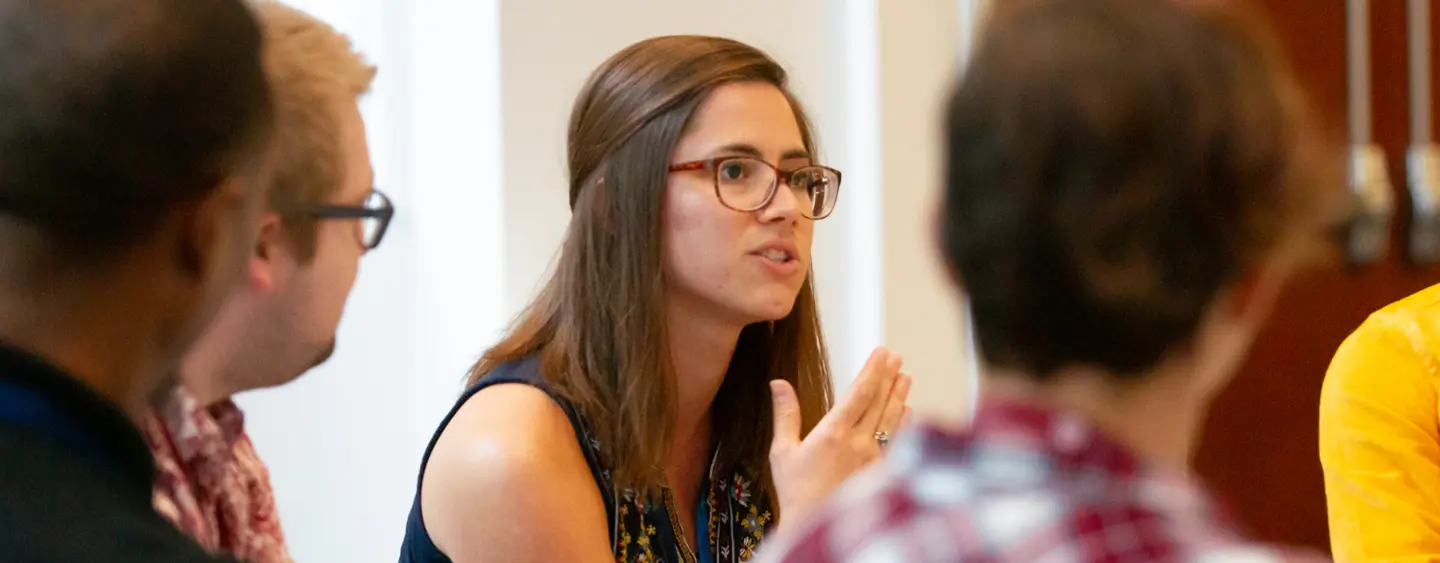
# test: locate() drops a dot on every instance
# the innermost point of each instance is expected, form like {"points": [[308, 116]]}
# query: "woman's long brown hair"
{"points": [[598, 325]]}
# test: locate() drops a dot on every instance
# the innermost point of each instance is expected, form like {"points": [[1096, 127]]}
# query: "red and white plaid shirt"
{"points": [[210, 482], [1022, 484]]}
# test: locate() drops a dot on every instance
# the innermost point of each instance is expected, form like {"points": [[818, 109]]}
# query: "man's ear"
{"points": [[263, 261]]}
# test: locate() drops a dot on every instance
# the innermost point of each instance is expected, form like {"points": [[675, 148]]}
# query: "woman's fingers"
{"points": [[862, 393], [896, 408], [807, 471], [888, 374], [787, 416]]}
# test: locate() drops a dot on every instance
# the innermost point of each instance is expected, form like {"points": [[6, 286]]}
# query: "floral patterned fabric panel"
{"points": [[739, 517]]}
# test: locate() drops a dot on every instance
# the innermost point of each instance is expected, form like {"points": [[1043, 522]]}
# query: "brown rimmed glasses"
{"points": [[744, 183]]}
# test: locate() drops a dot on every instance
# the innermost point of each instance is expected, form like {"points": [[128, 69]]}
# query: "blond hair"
{"points": [[313, 70]]}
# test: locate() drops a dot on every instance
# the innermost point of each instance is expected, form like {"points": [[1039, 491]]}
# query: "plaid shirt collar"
{"points": [[1069, 442], [1021, 483], [1012, 445], [198, 433], [210, 482]]}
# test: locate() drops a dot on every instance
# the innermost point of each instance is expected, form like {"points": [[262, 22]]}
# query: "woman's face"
{"points": [[737, 266]]}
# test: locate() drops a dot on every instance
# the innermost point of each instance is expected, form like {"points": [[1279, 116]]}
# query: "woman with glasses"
{"points": [[649, 404]]}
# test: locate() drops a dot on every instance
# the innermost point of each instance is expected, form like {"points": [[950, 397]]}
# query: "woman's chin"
{"points": [[770, 311]]}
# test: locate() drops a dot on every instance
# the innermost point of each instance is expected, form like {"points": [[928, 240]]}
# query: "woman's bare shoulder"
{"points": [[510, 450]]}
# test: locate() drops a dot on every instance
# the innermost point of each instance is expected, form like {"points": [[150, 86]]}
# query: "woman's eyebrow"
{"points": [[746, 149]]}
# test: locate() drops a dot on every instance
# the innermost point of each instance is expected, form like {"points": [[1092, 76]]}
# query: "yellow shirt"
{"points": [[1379, 441]]}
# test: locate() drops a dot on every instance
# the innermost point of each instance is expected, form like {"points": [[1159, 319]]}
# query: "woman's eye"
{"points": [[732, 171]]}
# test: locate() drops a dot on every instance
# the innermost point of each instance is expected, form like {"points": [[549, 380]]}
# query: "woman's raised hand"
{"points": [[850, 437]]}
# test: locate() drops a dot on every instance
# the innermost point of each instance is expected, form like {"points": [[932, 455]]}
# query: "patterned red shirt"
{"points": [[1022, 484], [210, 482]]}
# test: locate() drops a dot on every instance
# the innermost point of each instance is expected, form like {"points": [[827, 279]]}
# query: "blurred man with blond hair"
{"points": [[323, 214]]}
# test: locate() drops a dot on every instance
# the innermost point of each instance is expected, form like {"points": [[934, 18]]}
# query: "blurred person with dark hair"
{"points": [[323, 214], [132, 160], [1128, 185]]}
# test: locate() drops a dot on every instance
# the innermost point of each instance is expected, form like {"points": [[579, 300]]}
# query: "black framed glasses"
{"points": [[748, 184], [374, 216]]}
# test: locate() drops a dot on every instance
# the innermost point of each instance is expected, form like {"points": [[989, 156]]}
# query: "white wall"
{"points": [[467, 126]]}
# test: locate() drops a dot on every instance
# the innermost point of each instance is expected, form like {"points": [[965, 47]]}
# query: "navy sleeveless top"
{"points": [[734, 517]]}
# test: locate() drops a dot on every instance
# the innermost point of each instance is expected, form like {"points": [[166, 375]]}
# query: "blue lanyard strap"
{"points": [[705, 552]]}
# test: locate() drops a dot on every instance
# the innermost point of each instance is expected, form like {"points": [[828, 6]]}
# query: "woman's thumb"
{"points": [[787, 414]]}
